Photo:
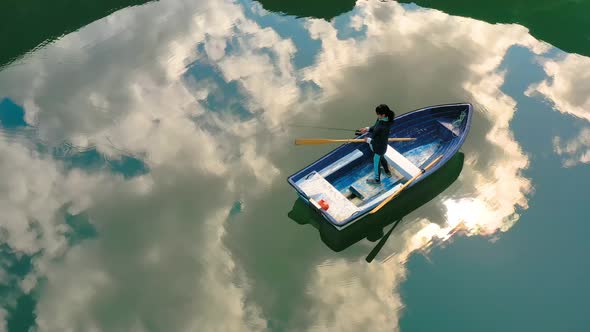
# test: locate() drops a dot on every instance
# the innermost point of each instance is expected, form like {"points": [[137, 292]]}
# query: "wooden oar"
{"points": [[381, 243], [312, 141], [378, 207]]}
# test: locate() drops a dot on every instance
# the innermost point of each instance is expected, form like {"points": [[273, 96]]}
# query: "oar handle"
{"points": [[388, 199], [310, 141]]}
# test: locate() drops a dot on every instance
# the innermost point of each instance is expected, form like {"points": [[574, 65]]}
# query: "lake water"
{"points": [[145, 145]]}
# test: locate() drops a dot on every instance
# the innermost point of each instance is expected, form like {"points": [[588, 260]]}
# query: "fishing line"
{"points": [[317, 127]]}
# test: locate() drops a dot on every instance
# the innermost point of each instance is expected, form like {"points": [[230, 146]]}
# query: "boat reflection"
{"points": [[371, 226]]}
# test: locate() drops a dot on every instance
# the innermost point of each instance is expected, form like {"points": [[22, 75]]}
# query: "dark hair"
{"points": [[385, 110]]}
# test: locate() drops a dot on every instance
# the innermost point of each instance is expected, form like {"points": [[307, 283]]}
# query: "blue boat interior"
{"points": [[344, 171]]}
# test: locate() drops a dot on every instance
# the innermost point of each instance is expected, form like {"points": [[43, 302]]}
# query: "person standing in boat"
{"points": [[378, 141]]}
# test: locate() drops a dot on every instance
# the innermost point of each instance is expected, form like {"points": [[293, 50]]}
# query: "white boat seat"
{"points": [[341, 163], [401, 163], [317, 188]]}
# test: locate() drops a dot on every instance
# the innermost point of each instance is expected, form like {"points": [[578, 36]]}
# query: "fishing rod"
{"points": [[318, 127]]}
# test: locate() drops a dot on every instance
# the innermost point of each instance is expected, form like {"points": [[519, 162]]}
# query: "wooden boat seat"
{"points": [[401, 163], [317, 188]]}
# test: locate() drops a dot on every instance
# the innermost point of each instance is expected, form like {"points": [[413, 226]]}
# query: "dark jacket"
{"points": [[380, 135]]}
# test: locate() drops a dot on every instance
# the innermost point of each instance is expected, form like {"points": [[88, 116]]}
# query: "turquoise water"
{"points": [[145, 145]]}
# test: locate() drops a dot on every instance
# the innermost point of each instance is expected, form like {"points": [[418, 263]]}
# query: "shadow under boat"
{"points": [[371, 226]]}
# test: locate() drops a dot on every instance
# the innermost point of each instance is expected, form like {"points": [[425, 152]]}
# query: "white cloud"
{"points": [[159, 247], [413, 28], [158, 262], [567, 85], [141, 102], [355, 296], [35, 195], [161, 280], [575, 150], [34, 190], [568, 90]]}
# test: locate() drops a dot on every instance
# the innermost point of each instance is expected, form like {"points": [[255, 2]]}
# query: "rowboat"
{"points": [[335, 185], [372, 227]]}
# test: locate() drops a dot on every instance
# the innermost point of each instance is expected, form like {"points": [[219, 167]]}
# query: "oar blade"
{"points": [[381, 243]]}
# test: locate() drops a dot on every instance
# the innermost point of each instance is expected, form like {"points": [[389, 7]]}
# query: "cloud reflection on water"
{"points": [[158, 257], [159, 261], [566, 88]]}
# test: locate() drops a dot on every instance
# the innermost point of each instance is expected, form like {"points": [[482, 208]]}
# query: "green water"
{"points": [[29, 24], [144, 147]]}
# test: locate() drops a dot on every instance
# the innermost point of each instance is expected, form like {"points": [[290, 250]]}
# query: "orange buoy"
{"points": [[324, 204]]}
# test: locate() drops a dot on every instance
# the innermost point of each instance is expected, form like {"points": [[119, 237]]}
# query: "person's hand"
{"points": [[366, 139], [363, 130]]}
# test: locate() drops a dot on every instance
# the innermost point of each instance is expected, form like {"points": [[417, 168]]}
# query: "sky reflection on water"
{"points": [[200, 96]]}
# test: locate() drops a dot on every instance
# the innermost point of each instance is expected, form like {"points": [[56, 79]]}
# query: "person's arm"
{"points": [[366, 129]]}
